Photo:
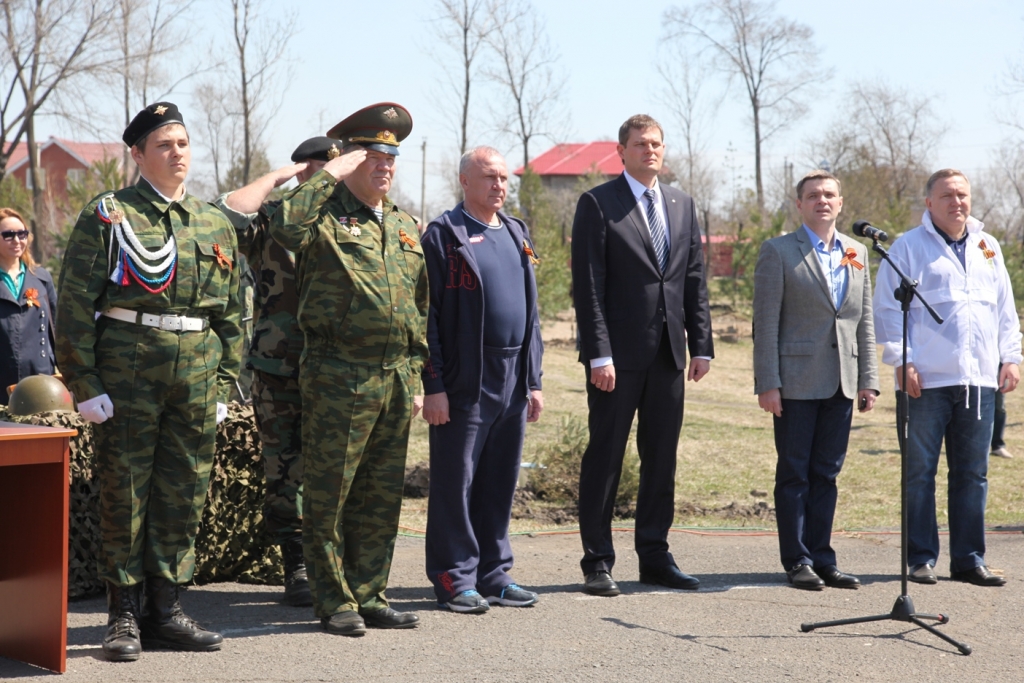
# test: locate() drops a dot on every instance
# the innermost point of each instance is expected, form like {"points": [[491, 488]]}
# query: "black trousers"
{"points": [[657, 395], [810, 439]]}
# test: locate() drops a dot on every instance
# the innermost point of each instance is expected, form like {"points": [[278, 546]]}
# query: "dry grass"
{"points": [[726, 449]]}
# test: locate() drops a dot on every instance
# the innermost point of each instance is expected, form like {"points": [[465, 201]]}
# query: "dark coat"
{"points": [[620, 294], [455, 324], [26, 331]]}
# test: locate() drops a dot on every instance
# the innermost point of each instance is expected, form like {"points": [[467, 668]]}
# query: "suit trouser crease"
{"points": [[657, 395], [155, 455], [277, 407], [355, 433], [942, 414], [811, 440], [474, 467]]}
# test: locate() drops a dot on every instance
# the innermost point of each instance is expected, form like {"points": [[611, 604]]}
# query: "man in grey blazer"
{"points": [[814, 351]]}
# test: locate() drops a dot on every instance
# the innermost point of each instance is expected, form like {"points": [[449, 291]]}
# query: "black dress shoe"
{"points": [[389, 618], [922, 573], [834, 578], [601, 583], [347, 623], [670, 577], [804, 578], [979, 576]]}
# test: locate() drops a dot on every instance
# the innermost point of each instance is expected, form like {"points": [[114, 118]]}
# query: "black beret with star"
{"points": [[149, 119]]}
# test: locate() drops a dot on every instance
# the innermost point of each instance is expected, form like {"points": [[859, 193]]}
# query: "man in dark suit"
{"points": [[640, 297], [814, 351]]}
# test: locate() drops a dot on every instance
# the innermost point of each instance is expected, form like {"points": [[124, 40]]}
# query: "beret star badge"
{"points": [[160, 110], [333, 152]]}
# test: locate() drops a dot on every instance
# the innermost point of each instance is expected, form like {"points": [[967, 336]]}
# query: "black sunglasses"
{"points": [[9, 235]]}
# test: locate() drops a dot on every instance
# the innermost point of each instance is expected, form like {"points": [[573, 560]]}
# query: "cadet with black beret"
{"points": [[149, 342]]}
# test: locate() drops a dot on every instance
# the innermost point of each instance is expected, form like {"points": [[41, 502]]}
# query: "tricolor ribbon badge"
{"points": [[851, 259]]}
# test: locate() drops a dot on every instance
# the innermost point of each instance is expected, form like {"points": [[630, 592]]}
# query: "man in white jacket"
{"points": [[953, 370]]}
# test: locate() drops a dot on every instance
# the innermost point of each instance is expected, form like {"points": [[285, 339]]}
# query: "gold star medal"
{"points": [[160, 110]]}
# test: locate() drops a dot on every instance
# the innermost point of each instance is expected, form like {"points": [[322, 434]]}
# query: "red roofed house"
{"points": [[61, 161], [561, 167]]}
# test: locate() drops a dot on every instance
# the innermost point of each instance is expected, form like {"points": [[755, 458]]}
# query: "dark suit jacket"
{"points": [[26, 331], [620, 294]]}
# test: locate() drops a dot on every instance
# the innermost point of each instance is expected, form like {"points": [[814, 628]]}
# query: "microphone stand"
{"points": [[903, 609]]}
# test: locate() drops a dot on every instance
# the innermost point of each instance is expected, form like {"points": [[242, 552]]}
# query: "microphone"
{"points": [[865, 229]]}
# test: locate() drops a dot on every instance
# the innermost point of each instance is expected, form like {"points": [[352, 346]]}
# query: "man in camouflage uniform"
{"points": [[273, 359], [362, 308], [148, 339]]}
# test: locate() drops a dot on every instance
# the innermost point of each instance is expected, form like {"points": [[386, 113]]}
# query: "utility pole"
{"points": [[423, 186]]}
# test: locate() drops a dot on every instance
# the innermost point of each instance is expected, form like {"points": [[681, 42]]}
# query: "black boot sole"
{"points": [[159, 644], [114, 657]]}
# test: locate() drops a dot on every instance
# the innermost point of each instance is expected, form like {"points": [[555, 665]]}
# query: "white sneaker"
{"points": [[1001, 452]]}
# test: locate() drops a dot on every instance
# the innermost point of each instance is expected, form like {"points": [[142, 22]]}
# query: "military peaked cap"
{"points": [[149, 119], [320, 148], [378, 127]]}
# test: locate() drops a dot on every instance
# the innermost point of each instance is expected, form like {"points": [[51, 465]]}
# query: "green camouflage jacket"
{"points": [[362, 286], [202, 286], [276, 338]]}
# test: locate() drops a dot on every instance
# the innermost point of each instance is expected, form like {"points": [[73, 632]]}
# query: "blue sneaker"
{"points": [[513, 596], [467, 602]]}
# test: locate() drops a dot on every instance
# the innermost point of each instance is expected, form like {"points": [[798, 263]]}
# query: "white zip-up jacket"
{"points": [[981, 328]]}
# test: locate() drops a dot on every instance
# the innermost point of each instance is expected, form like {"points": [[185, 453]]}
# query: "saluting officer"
{"points": [[148, 339], [362, 308], [273, 357]]}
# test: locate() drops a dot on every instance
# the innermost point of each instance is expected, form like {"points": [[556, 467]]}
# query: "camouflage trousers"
{"points": [[277, 406], [153, 457], [355, 432]]}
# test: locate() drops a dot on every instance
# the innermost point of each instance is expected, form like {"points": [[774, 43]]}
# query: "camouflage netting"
{"points": [[230, 545]]}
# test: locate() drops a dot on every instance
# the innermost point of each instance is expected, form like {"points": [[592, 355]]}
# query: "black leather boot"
{"points": [[121, 644], [165, 625], [296, 582]]}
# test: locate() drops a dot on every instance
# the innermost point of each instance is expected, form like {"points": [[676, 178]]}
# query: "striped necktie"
{"points": [[658, 236]]}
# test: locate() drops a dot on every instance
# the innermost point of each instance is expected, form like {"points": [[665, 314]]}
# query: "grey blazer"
{"points": [[802, 344]]}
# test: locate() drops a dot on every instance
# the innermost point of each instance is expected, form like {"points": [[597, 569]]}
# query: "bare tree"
{"points": [[879, 147], [148, 31], [775, 59], [260, 53], [462, 28], [47, 43], [526, 69], [683, 76]]}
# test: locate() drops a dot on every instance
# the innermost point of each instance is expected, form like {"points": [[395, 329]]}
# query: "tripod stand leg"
{"points": [[807, 628], [964, 648], [940, 618]]}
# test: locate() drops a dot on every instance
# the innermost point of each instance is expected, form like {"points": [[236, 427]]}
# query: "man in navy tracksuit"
{"points": [[481, 386]]}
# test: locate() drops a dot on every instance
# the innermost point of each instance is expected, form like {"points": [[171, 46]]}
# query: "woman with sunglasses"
{"points": [[27, 302]]}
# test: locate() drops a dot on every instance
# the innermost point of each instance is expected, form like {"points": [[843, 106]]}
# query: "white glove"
{"points": [[96, 410], [222, 411]]}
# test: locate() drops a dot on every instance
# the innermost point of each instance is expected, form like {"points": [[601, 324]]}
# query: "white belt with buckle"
{"points": [[168, 323]]}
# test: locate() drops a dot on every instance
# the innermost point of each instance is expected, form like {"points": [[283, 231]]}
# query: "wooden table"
{"points": [[34, 544]]}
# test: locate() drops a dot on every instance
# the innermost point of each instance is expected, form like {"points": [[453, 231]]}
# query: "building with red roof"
{"points": [[62, 161], [561, 167]]}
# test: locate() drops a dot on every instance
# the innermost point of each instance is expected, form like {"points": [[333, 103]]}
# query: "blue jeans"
{"points": [[951, 413]]}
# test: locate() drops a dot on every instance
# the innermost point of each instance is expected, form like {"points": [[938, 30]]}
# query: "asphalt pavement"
{"points": [[742, 625]]}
